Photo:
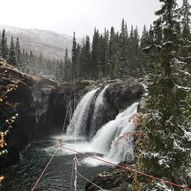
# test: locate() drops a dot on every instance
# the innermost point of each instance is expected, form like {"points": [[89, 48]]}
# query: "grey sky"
{"points": [[81, 16]]}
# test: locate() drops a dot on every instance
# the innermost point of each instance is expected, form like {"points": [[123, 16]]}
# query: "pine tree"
{"points": [[77, 64], [166, 151], [134, 66], [18, 51], [67, 67], [185, 11], [104, 54], [85, 59], [74, 57], [95, 55], [145, 42], [144, 38], [185, 29], [12, 58], [124, 50], [59, 73], [4, 47], [114, 54]]}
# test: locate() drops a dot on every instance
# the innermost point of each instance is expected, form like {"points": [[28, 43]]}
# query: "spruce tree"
{"points": [[67, 67], [144, 38], [165, 152], [85, 59], [124, 50], [134, 66], [185, 11], [74, 57], [114, 54], [18, 51], [95, 55], [12, 57], [104, 54], [77, 63], [144, 44], [4, 47]]}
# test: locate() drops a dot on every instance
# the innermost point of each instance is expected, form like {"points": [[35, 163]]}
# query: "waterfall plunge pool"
{"points": [[22, 176], [109, 143]]}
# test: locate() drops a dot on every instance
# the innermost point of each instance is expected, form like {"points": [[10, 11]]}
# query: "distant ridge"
{"points": [[52, 45]]}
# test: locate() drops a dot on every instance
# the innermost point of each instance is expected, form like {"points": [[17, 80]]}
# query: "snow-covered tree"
{"points": [[166, 147], [4, 47]]}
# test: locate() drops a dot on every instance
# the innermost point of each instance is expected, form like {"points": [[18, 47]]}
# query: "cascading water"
{"points": [[97, 114], [78, 122], [114, 140]]}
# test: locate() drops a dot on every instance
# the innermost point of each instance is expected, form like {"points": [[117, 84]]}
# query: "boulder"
{"points": [[123, 93], [113, 179]]}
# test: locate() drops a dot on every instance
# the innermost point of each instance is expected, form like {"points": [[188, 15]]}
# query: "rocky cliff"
{"points": [[30, 100], [42, 105]]}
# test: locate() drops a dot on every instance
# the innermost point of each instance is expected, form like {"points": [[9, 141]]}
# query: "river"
{"points": [[22, 176]]}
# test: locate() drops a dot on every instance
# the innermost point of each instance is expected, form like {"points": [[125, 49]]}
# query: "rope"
{"points": [[67, 112], [77, 173], [71, 180], [62, 171], [44, 170], [127, 168], [89, 181], [75, 158], [75, 176]]}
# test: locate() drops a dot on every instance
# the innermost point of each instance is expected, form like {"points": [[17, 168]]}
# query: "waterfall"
{"points": [[114, 129], [98, 112], [113, 140], [79, 119]]}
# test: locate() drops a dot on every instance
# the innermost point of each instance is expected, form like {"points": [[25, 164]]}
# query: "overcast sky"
{"points": [[81, 16]]}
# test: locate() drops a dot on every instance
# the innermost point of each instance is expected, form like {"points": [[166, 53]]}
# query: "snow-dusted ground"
{"points": [[51, 44]]}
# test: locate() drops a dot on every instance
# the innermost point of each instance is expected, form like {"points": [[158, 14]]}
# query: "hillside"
{"points": [[52, 45]]}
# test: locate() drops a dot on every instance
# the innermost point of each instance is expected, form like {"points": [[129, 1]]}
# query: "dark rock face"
{"points": [[113, 179], [118, 96], [62, 103], [124, 93], [31, 101]]}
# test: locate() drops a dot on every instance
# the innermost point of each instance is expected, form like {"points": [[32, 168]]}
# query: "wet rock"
{"points": [[124, 93], [114, 179]]}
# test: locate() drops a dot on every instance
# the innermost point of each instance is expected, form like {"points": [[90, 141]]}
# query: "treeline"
{"points": [[28, 62], [110, 55]]}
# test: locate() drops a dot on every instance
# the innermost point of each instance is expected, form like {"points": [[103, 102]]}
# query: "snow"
{"points": [[176, 144], [187, 135], [163, 161], [51, 44], [164, 187], [183, 87]]}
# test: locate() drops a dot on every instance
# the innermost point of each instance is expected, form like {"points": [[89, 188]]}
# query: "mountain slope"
{"points": [[52, 45]]}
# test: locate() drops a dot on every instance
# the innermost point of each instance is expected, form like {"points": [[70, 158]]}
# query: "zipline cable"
{"points": [[127, 168], [44, 170], [75, 173], [89, 181], [71, 179]]}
